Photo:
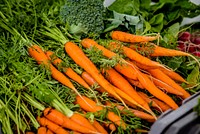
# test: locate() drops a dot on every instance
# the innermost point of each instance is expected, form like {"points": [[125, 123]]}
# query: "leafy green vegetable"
{"points": [[133, 23], [157, 16], [194, 76]]}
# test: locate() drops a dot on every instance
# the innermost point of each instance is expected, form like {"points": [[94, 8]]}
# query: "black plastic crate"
{"points": [[183, 120]]}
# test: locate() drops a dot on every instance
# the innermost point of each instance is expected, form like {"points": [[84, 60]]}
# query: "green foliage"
{"points": [[156, 17], [83, 16]]}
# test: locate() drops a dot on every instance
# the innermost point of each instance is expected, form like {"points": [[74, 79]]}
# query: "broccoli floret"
{"points": [[84, 16]]}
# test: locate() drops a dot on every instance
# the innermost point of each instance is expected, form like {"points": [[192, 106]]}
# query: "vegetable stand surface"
{"points": [[79, 67]]}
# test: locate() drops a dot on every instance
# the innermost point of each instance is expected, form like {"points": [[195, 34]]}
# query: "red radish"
{"points": [[197, 40], [196, 53], [184, 36], [193, 47], [182, 46]]}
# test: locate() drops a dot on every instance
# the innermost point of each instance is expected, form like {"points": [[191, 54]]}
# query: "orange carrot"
{"points": [[91, 82], [119, 81], [88, 78], [82, 121], [110, 115], [60, 119], [99, 127], [163, 77], [67, 70], [147, 99], [150, 101], [161, 104], [133, 55], [38, 54], [123, 68], [111, 126], [135, 83], [49, 132], [127, 37], [161, 51], [137, 113], [44, 130], [52, 126], [149, 85], [173, 75], [83, 61], [161, 84], [141, 131]]}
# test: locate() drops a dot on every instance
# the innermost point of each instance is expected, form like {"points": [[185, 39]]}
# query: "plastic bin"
{"points": [[184, 120]]}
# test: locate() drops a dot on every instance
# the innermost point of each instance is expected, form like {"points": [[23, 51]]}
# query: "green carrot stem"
{"points": [[33, 102], [62, 108]]}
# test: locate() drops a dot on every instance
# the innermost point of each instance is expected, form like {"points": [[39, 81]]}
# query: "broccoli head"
{"points": [[84, 16]]}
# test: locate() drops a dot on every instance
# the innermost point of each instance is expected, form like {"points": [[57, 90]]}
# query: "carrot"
{"points": [[154, 50], [62, 120], [161, 51], [111, 126], [137, 113], [44, 130], [99, 127], [119, 81], [123, 68], [161, 84], [141, 131], [161, 104], [149, 85], [127, 37], [38, 54], [83, 61], [67, 70], [52, 126], [88, 78], [163, 77], [127, 98], [110, 115], [150, 101], [82, 121], [128, 101], [91, 82], [133, 55], [49, 132], [164, 86], [173, 75], [126, 70], [135, 83]]}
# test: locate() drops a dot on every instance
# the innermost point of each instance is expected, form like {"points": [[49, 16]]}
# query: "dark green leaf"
{"points": [[193, 77], [130, 7], [157, 19], [145, 4]]}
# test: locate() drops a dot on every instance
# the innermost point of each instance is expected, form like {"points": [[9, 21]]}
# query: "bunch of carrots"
{"points": [[139, 84]]}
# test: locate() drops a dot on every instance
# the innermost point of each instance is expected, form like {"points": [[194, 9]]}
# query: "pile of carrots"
{"points": [[138, 83]]}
